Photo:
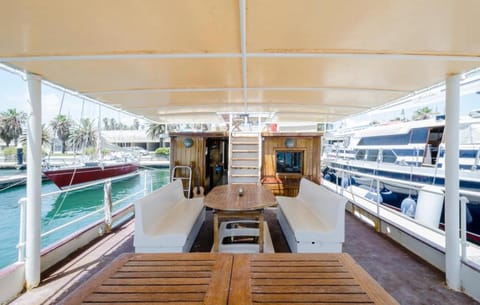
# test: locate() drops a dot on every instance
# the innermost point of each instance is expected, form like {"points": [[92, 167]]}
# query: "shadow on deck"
{"points": [[406, 277]]}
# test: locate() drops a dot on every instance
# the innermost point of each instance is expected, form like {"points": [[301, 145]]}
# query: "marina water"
{"points": [[65, 207]]}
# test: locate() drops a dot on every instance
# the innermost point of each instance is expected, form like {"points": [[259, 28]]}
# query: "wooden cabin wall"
{"points": [[181, 155], [286, 184]]}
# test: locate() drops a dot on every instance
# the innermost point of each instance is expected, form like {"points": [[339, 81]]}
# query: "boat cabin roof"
{"points": [[189, 60]]}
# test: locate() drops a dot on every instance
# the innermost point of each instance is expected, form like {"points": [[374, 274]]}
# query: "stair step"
{"points": [[244, 175], [244, 135], [244, 151], [244, 166], [245, 159], [245, 143]]}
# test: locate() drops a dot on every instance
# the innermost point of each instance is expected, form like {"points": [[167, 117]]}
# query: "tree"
{"points": [[136, 124], [61, 126], [156, 132], [83, 135], [11, 123], [106, 125], [422, 113], [46, 137]]}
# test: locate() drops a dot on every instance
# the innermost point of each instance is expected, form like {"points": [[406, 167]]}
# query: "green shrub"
{"points": [[163, 151]]}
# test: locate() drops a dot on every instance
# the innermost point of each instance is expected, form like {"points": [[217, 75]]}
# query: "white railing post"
{"points": [[463, 225], [21, 230], [107, 205], [145, 190], [452, 186], [378, 197], [34, 182]]}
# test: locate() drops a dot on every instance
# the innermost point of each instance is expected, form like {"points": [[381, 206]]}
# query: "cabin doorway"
{"points": [[216, 162], [435, 136]]}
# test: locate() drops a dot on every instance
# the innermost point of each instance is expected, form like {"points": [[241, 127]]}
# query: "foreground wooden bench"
{"points": [[234, 279]]}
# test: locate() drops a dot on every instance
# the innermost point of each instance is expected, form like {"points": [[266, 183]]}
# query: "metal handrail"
{"points": [[416, 186], [22, 201]]}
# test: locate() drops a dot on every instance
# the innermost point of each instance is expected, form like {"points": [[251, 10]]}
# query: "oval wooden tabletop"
{"points": [[228, 198]]}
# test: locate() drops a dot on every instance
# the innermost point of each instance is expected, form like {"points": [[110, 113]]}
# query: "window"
{"points": [[289, 162]]}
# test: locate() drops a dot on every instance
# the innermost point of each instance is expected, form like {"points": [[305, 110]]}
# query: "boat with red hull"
{"points": [[66, 177]]}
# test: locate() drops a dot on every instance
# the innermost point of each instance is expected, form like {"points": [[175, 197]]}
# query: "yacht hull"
{"points": [[64, 178]]}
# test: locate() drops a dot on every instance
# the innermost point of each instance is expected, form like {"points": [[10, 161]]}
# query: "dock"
{"points": [[11, 181]]}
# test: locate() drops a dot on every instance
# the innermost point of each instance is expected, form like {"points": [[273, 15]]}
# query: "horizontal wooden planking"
{"points": [[362, 298], [151, 288], [145, 297]]}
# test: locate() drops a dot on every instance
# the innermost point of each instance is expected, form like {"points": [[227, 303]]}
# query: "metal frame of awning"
{"points": [[317, 53]]}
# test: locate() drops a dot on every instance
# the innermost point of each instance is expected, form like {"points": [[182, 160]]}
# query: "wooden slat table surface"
{"points": [[179, 278], [287, 278], [233, 279]]}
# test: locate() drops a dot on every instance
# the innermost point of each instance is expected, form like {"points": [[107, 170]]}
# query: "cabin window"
{"points": [[419, 135], [372, 155], [289, 162], [389, 156], [361, 154]]}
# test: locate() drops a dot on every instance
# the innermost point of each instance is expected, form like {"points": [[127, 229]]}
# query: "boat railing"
{"points": [[341, 188], [108, 215]]}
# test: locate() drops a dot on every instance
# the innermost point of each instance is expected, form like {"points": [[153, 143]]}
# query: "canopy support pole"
{"points": [[452, 242], [34, 181]]}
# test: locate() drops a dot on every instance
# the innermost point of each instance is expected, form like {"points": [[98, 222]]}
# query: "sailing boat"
{"points": [[66, 177]]}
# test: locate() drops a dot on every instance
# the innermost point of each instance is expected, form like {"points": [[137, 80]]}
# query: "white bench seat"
{"points": [[314, 221], [166, 221]]}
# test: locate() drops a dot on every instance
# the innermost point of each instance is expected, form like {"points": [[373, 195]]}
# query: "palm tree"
{"points": [[156, 132], [11, 123], [46, 137], [61, 126], [422, 113], [83, 135]]}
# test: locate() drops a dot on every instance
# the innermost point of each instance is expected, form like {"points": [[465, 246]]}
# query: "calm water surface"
{"points": [[61, 208]]}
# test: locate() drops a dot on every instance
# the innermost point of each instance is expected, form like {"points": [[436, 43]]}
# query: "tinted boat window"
{"points": [[361, 154], [289, 161], [372, 155], [397, 139], [419, 135], [389, 156]]}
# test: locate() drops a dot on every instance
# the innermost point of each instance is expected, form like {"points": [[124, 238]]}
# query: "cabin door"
{"points": [[216, 162], [435, 135]]}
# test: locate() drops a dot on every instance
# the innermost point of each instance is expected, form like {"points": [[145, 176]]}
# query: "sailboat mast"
{"points": [[99, 140]]}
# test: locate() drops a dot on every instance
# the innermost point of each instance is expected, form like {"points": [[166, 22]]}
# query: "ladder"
{"points": [[245, 156], [184, 173]]}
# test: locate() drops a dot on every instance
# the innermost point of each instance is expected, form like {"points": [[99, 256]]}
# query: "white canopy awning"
{"points": [[186, 60]]}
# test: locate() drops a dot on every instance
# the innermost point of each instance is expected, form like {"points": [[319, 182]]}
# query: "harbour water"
{"points": [[58, 209]]}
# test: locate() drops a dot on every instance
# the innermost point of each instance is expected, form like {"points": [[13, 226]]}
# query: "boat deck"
{"points": [[406, 277]]}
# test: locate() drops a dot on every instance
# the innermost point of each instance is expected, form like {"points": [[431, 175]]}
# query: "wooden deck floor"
{"points": [[407, 278]]}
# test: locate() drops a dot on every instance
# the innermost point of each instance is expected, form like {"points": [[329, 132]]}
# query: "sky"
{"points": [[13, 94]]}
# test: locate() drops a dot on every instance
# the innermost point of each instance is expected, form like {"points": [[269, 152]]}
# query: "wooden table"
{"points": [[228, 203], [186, 278], [301, 278], [233, 279]]}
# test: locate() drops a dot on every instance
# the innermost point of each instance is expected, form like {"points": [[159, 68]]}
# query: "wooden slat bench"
{"points": [[233, 279]]}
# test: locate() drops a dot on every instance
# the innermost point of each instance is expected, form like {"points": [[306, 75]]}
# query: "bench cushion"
{"points": [[306, 224], [173, 228]]}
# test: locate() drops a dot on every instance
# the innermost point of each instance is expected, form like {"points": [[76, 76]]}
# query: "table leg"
{"points": [[215, 232], [260, 232]]}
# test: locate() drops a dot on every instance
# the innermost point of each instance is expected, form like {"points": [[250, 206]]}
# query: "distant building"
{"points": [[134, 138]]}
